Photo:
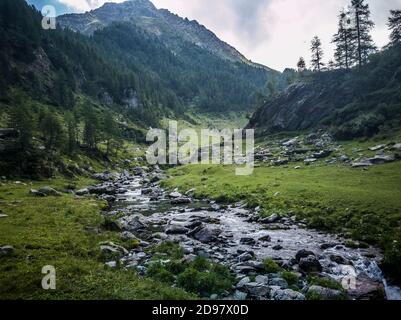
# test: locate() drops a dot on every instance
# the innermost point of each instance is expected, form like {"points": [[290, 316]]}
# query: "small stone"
{"points": [[111, 264], [286, 294], [266, 238], [303, 254], [177, 230], [262, 279], [278, 247], [82, 192], [243, 282], [214, 297], [6, 251], [49, 191], [240, 296], [310, 264], [248, 241]]}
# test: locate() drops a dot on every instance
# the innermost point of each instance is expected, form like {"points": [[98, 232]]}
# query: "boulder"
{"points": [[175, 195], [303, 254], [367, 289], [82, 192], [110, 249], [207, 234], [325, 293], [240, 296], [136, 224], [248, 241], [279, 282], [6, 251], [262, 279], [378, 147], [272, 219], [286, 295], [182, 200], [36, 193], [49, 191], [245, 257], [243, 282], [338, 259], [396, 147], [177, 230], [310, 264], [256, 290], [266, 238]]}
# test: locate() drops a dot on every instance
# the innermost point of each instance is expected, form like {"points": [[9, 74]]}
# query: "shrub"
{"points": [[271, 266], [290, 277], [158, 272]]}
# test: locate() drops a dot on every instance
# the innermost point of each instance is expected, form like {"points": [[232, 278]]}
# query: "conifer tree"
{"points": [[317, 54], [394, 23], [343, 40], [364, 45], [301, 65]]}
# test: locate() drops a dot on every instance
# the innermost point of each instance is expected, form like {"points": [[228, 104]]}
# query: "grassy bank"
{"points": [[63, 232], [364, 205]]}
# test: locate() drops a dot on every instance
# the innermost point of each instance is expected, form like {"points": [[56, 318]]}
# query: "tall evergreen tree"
{"points": [[343, 40], [72, 132], [394, 23], [317, 54], [52, 130], [363, 26], [91, 128], [22, 119], [110, 130]]}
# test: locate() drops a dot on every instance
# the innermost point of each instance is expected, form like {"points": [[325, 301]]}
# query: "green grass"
{"points": [[365, 205], [62, 232]]}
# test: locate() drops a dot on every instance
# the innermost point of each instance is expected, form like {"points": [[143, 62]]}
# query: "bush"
{"points": [[158, 272], [271, 266], [290, 277]]}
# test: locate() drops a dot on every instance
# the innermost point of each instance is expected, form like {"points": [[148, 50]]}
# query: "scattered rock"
{"points": [[256, 290], [243, 282], [279, 282], [310, 264], [338, 259], [376, 148], [177, 230], [111, 264], [286, 294], [207, 235], [325, 293], [182, 200], [262, 279], [110, 249], [248, 241], [367, 289], [49, 191], [278, 247], [240, 296], [266, 238], [175, 195], [82, 192], [6, 251], [396, 147], [36, 193], [303, 254], [245, 257], [272, 219], [2, 215]]}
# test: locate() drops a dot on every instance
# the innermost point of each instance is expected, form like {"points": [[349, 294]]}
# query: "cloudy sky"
{"points": [[273, 32]]}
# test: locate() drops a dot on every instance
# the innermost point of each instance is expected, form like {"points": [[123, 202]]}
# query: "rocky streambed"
{"points": [[240, 239]]}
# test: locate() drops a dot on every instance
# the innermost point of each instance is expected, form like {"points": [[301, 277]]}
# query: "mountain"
{"points": [[171, 29], [355, 103]]}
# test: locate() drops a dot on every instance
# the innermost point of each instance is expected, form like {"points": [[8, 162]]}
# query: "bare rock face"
{"points": [[367, 289]]}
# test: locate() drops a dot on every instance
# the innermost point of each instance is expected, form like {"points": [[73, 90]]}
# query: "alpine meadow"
{"points": [[143, 157]]}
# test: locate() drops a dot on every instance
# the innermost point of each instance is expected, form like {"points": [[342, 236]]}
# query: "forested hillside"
{"points": [[60, 86]]}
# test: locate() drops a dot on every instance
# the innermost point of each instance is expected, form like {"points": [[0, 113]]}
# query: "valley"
{"points": [[319, 217]]}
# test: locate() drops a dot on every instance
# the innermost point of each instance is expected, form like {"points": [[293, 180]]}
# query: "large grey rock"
{"points": [[325, 293], [272, 219], [303, 254], [286, 295], [49, 191], [177, 230], [240, 296], [367, 289], [279, 282], [262, 279], [243, 282], [82, 192], [310, 264], [182, 200], [207, 234], [109, 249], [256, 290]]}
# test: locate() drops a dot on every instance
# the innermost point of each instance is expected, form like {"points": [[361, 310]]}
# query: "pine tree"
{"points": [[91, 128], [72, 132], [343, 40], [317, 54], [110, 130], [394, 23], [52, 130], [301, 65], [22, 119], [363, 25]]}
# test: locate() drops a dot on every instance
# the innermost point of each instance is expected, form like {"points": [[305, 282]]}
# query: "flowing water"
{"points": [[285, 238]]}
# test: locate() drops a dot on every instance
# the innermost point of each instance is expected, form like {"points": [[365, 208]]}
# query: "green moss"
{"points": [[291, 278]]}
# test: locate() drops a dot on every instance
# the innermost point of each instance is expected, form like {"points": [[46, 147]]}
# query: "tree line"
{"points": [[353, 40]]}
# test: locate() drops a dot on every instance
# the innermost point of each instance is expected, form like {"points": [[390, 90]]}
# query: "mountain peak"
{"points": [[173, 29]]}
